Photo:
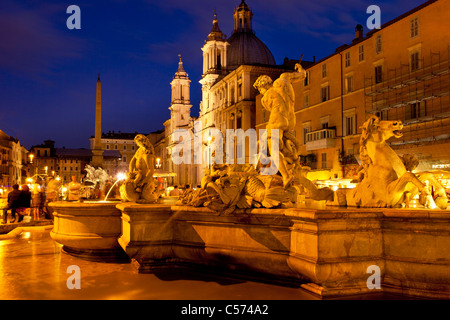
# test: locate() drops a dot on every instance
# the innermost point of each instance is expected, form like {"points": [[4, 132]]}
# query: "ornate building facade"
{"points": [[399, 72], [13, 161], [230, 67], [180, 119]]}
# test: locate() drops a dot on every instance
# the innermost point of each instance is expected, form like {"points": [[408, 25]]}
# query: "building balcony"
{"points": [[320, 139]]}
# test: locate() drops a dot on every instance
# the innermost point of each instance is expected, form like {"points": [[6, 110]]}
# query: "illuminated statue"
{"points": [[140, 185], [278, 98], [242, 186], [386, 182]]}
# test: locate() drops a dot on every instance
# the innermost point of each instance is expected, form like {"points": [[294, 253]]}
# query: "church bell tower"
{"points": [[180, 107], [214, 61]]}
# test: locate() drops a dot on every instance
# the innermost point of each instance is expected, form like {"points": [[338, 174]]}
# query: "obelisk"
{"points": [[97, 151]]}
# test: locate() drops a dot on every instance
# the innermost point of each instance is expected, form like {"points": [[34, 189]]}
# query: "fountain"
{"points": [[89, 229], [120, 177], [255, 226]]}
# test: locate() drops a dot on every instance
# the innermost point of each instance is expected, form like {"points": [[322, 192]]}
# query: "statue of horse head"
{"points": [[380, 131]]}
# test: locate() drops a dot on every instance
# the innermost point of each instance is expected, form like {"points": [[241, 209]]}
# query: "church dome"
{"points": [[247, 48]]}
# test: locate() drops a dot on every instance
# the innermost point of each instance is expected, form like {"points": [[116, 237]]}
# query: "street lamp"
{"points": [[31, 157], [158, 163]]}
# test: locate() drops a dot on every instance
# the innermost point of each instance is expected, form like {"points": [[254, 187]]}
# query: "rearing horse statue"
{"points": [[386, 182]]}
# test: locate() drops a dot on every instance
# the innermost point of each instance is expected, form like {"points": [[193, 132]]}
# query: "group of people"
{"points": [[22, 201], [18, 202]]}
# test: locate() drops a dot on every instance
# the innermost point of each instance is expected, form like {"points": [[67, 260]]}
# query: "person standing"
{"points": [[24, 202], [74, 189], [13, 198], [35, 200], [51, 193]]}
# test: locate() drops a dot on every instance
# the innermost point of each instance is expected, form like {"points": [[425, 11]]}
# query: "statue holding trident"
{"points": [[279, 98]]}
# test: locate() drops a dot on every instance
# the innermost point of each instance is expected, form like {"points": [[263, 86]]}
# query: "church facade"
{"points": [[230, 67]]}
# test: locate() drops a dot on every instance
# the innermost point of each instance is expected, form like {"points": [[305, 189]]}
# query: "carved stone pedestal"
{"points": [[330, 252], [325, 251]]}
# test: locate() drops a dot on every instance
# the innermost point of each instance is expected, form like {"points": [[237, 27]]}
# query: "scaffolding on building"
{"points": [[418, 94]]}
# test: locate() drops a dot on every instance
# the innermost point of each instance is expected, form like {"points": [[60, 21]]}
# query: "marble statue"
{"points": [[140, 186], [96, 176], [242, 186], [385, 181], [278, 98]]}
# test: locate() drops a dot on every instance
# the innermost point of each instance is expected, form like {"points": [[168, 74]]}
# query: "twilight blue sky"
{"points": [[48, 73]]}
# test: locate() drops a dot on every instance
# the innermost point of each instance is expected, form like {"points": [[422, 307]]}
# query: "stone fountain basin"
{"points": [[88, 229], [325, 250]]}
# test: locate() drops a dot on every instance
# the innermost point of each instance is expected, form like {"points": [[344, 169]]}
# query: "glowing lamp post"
{"points": [[158, 163]]}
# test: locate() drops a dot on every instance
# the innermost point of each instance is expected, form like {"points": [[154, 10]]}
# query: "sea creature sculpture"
{"points": [[386, 182]]}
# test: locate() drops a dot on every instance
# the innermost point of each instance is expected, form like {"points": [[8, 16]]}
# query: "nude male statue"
{"points": [[279, 98]]}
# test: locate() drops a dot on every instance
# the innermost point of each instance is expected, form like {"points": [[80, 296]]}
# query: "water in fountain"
{"points": [[120, 177], [109, 191]]}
